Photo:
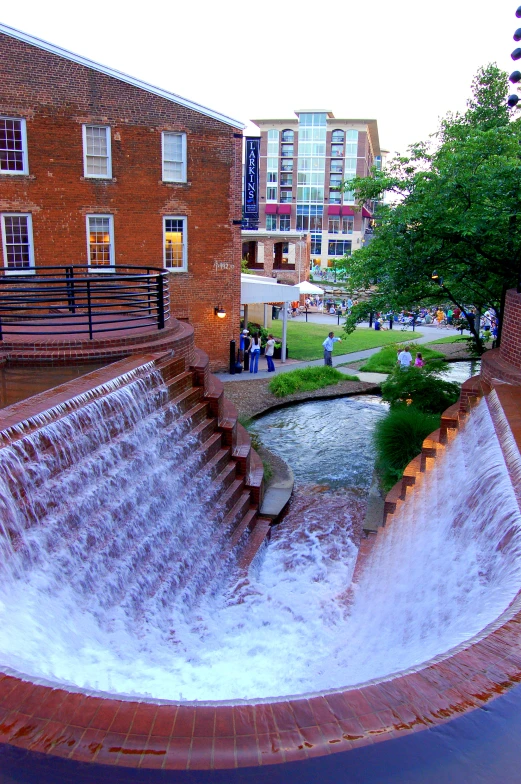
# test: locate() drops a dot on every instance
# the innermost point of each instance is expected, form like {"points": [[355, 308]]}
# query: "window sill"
{"points": [[176, 270], [21, 175], [174, 182], [98, 179], [30, 271]]}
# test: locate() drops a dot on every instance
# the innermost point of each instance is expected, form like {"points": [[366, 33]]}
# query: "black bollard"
{"points": [[233, 358], [370, 319], [391, 321]]}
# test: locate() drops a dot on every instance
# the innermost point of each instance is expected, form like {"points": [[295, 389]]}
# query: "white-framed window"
{"points": [[271, 194], [100, 243], [271, 223], [173, 147], [97, 159], [175, 249], [13, 146], [17, 242]]}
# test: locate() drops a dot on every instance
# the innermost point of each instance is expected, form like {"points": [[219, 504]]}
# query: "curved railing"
{"points": [[81, 300]]}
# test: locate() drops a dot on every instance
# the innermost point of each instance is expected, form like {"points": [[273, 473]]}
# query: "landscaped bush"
{"points": [[398, 439], [420, 388], [306, 380]]}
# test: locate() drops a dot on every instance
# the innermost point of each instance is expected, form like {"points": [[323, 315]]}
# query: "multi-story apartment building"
{"points": [[303, 162]]}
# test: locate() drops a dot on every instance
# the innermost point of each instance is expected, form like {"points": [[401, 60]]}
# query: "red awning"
{"points": [[333, 209], [271, 209], [284, 209], [348, 210], [366, 213]]}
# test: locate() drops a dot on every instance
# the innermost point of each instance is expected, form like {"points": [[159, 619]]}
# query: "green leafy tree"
{"points": [[453, 207]]}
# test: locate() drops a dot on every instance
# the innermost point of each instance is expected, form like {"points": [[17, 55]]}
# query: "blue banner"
{"points": [[251, 178]]}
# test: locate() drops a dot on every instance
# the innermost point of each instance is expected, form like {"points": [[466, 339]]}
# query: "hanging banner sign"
{"points": [[251, 178]]}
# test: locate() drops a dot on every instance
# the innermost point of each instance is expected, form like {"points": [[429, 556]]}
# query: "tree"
{"points": [[456, 211]]}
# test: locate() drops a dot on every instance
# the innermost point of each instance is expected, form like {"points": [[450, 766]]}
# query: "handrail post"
{"points": [[1, 331], [71, 300], [89, 308], [160, 303], [148, 292]]}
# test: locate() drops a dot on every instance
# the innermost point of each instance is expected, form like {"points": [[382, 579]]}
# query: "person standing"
{"points": [[268, 353], [255, 347], [328, 344]]}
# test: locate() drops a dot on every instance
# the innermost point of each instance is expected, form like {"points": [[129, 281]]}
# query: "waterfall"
{"points": [[114, 572]]}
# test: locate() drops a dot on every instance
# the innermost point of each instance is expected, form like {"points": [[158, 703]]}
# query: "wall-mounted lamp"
{"points": [[220, 312]]}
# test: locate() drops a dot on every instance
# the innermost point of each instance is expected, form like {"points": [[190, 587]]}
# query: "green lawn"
{"points": [[305, 339], [450, 339], [385, 360]]}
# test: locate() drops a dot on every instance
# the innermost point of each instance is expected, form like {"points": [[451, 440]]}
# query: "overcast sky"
{"points": [[403, 62]]}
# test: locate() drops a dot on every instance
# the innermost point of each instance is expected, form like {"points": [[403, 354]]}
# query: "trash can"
{"points": [[275, 310]]}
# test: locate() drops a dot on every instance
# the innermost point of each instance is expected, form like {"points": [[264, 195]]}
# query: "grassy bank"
{"points": [[305, 339], [385, 360]]}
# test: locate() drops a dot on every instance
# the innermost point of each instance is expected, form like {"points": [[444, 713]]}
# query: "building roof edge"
{"points": [[53, 49]]}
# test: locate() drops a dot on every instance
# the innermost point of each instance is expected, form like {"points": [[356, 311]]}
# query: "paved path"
{"points": [[429, 334]]}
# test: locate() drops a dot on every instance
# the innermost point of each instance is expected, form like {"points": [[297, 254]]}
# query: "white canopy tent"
{"points": [[258, 290], [308, 288]]}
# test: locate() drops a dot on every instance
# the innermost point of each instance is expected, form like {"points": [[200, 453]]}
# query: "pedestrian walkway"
{"points": [[429, 334]]}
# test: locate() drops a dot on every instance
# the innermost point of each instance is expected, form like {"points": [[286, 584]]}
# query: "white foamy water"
{"points": [[115, 585]]}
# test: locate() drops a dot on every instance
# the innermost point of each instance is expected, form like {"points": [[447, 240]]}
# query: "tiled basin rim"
{"points": [[150, 734]]}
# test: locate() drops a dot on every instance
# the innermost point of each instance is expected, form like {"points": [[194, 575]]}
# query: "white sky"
{"points": [[403, 62]]}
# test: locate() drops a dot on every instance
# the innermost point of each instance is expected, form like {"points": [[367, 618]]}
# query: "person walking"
{"points": [[255, 347], [328, 344], [268, 353]]}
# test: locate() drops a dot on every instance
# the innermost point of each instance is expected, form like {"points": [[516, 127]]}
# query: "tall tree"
{"points": [[453, 206]]}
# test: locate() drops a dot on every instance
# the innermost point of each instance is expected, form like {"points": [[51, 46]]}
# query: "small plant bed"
{"points": [[385, 360], [306, 380]]}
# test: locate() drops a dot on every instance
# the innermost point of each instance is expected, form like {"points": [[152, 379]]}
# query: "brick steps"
{"points": [[258, 536]]}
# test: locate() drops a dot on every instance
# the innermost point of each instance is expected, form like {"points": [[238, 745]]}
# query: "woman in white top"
{"points": [[255, 347]]}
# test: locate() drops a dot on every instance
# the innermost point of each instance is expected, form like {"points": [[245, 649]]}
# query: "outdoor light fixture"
{"points": [[437, 278], [513, 100], [517, 34], [518, 12], [516, 54], [515, 76], [220, 312]]}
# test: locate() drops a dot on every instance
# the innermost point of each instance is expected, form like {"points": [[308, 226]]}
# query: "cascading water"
{"points": [[110, 564]]}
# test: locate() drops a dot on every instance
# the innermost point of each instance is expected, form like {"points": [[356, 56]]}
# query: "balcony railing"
{"points": [[79, 300]]}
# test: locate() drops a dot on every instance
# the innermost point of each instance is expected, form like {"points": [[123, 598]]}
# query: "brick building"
{"points": [[303, 161], [100, 169]]}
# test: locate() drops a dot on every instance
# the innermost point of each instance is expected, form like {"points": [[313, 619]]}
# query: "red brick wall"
{"points": [[510, 349], [56, 97]]}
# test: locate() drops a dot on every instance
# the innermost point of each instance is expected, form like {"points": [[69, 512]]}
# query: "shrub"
{"points": [[398, 439], [306, 380], [421, 389]]}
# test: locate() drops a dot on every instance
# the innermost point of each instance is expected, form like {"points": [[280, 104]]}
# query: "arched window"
{"points": [[287, 136], [337, 137]]}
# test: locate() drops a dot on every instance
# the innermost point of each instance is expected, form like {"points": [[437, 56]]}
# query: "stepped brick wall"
{"points": [[504, 363], [56, 97]]}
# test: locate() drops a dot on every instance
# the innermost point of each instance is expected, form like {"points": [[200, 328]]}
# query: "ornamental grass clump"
{"points": [[306, 380], [398, 439]]}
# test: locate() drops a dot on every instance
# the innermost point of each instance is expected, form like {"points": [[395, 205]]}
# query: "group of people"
{"points": [[251, 345]]}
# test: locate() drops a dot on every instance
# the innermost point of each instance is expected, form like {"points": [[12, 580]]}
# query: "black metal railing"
{"points": [[81, 300]]}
